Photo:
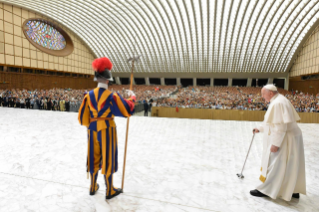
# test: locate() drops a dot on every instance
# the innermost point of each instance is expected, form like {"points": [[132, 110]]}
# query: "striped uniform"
{"points": [[97, 112]]}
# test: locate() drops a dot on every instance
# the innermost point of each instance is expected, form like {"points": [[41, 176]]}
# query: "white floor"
{"points": [[172, 165]]}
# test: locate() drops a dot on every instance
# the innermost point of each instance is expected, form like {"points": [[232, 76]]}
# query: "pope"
{"points": [[283, 161]]}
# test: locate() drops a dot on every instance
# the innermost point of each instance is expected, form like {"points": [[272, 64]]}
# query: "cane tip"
{"points": [[240, 176]]}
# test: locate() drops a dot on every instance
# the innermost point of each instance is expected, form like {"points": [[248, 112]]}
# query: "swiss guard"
{"points": [[97, 112]]}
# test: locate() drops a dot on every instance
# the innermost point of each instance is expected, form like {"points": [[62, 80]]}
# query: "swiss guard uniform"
{"points": [[97, 113]]}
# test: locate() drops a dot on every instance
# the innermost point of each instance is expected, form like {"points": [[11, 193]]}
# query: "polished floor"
{"points": [[172, 165]]}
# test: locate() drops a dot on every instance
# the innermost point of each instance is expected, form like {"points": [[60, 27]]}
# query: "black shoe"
{"points": [[119, 190], [93, 192], [296, 195], [257, 193]]}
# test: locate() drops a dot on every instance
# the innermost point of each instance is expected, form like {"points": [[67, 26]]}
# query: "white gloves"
{"points": [[130, 93]]}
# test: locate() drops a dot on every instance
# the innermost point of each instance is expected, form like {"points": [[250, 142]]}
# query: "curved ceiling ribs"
{"points": [[280, 30], [236, 55], [271, 34], [246, 29], [229, 60], [283, 59], [268, 27], [253, 56], [189, 35]]}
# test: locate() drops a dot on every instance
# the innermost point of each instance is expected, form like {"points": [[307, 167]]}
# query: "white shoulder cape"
{"points": [[281, 111]]}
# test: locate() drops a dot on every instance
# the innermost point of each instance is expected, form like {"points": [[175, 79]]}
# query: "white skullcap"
{"points": [[270, 87]]}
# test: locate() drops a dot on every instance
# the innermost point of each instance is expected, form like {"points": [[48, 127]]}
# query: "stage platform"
{"points": [[172, 165]]}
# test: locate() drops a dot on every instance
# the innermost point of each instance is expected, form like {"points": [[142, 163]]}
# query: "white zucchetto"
{"points": [[270, 87]]}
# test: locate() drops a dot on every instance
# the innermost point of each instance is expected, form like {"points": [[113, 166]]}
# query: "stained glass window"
{"points": [[45, 35]]}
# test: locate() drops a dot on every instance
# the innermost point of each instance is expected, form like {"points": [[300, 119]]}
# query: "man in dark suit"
{"points": [[67, 105], [145, 108], [5, 101], [37, 101], [150, 105], [10, 102], [27, 103], [13, 102]]}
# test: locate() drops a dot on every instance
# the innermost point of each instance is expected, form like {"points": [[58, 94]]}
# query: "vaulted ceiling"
{"points": [[187, 35]]}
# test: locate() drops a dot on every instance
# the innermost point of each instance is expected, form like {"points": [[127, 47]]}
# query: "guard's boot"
{"points": [[95, 190], [117, 192]]}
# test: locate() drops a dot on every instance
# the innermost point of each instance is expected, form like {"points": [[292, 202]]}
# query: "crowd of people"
{"points": [[230, 98], [235, 98], [70, 99], [53, 99], [145, 92]]}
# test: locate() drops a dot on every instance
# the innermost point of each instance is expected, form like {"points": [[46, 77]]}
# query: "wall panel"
{"points": [[310, 86], [9, 80], [307, 61], [11, 20]]}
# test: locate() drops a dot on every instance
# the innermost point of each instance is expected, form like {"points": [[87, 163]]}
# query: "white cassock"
{"points": [[282, 172]]}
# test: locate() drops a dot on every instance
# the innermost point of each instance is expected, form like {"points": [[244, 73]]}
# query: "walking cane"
{"points": [[241, 174], [133, 59]]}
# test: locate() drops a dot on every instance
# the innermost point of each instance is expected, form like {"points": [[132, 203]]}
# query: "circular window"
{"points": [[47, 37]]}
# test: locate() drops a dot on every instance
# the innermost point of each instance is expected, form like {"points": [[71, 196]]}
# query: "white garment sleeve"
{"points": [[261, 128], [278, 132]]}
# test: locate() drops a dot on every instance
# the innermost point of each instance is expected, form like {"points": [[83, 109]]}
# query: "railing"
{"points": [[139, 107], [238, 115]]}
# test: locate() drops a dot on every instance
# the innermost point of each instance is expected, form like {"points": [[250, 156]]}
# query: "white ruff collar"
{"points": [[102, 85]]}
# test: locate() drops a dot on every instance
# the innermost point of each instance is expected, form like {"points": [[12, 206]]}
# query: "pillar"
{"points": [[212, 82], [287, 82], [147, 80], [178, 81], [162, 81], [118, 81], [230, 82], [133, 80], [270, 80], [249, 81]]}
